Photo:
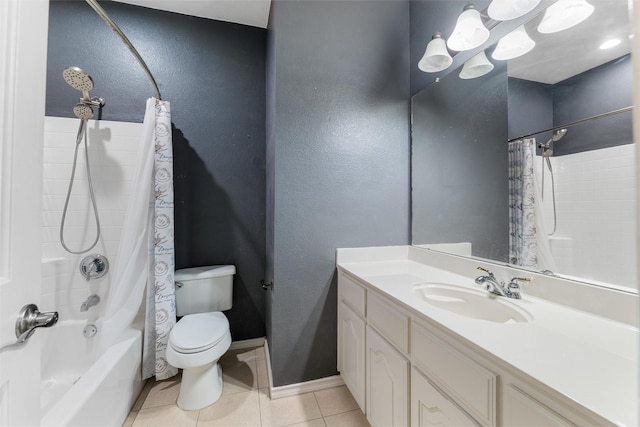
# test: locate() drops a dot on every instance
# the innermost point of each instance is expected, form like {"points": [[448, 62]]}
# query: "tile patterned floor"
{"points": [[245, 401]]}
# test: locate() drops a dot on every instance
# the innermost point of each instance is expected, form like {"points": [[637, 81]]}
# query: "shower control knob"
{"points": [[94, 266]]}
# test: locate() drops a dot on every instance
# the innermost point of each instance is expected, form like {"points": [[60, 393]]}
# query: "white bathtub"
{"points": [[84, 386]]}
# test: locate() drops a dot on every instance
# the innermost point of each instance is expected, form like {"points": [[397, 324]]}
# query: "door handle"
{"points": [[31, 318]]}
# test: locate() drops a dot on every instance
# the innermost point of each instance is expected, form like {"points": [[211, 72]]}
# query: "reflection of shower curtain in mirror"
{"points": [[522, 210], [528, 240]]}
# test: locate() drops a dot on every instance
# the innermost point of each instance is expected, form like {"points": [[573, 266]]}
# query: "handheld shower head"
{"points": [[78, 79], [83, 111], [554, 138]]}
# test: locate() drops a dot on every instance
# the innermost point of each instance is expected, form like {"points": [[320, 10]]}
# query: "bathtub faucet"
{"points": [[90, 302]]}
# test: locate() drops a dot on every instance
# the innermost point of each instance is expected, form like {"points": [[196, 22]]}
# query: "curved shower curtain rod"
{"points": [[100, 11]]}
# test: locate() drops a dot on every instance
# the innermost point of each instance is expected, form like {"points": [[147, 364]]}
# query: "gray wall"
{"points": [[337, 162], [599, 90], [213, 75], [459, 173], [530, 108]]}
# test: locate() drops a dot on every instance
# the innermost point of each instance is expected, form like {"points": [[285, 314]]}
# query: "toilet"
{"points": [[202, 335]]}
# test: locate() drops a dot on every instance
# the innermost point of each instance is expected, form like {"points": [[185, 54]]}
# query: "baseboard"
{"points": [[298, 388], [254, 342]]}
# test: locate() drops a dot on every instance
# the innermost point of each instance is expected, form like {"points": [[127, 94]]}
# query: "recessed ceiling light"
{"points": [[610, 43]]}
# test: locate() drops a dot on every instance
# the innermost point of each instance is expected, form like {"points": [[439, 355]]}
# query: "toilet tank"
{"points": [[204, 289]]}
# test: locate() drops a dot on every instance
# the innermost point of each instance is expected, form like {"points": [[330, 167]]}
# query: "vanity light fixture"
{"points": [[475, 67], [513, 45], [504, 10], [610, 44], [564, 14], [469, 32], [436, 57]]}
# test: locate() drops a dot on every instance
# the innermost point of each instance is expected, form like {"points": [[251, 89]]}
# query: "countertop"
{"points": [[587, 358]]}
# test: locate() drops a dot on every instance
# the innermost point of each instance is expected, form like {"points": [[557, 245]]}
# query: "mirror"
{"points": [[582, 222]]}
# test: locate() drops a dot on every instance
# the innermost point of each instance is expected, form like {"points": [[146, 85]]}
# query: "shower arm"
{"points": [[100, 11]]}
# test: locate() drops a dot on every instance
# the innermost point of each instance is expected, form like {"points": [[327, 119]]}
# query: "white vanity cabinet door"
{"points": [[429, 408], [522, 410], [351, 352], [387, 383]]}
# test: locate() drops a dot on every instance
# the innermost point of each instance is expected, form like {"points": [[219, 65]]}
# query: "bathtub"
{"points": [[83, 385]]}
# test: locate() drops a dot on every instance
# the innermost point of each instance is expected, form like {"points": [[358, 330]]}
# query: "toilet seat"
{"points": [[199, 332]]}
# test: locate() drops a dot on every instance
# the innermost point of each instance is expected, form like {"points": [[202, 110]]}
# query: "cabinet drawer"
{"points": [[520, 409], [352, 294], [390, 320], [431, 408], [470, 384]]}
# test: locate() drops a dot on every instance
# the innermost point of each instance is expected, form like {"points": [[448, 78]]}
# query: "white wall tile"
{"points": [[113, 148], [595, 200]]}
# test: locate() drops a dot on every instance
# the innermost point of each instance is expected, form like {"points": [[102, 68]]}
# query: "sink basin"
{"points": [[476, 304]]}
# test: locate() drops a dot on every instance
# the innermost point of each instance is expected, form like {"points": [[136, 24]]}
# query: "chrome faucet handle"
{"points": [[489, 276], [489, 273], [514, 281], [513, 288]]}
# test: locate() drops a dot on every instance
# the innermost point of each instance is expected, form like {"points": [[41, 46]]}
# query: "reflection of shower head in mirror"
{"points": [[547, 151], [558, 135]]}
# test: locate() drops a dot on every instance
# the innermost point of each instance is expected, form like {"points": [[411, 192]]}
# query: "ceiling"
{"points": [[247, 12], [565, 54], [556, 57]]}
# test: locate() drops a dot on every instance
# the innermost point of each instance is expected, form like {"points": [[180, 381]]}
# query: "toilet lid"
{"points": [[198, 332]]}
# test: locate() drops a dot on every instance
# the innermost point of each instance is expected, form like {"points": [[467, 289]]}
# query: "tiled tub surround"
{"points": [[113, 149], [596, 214], [83, 379], [568, 354]]}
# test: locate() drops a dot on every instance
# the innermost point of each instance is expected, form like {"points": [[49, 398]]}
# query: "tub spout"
{"points": [[90, 302]]}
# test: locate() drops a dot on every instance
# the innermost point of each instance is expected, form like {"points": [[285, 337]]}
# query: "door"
{"points": [[23, 56], [351, 352], [387, 383]]}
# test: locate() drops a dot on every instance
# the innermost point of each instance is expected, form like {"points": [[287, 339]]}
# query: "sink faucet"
{"points": [[90, 302], [491, 284]]}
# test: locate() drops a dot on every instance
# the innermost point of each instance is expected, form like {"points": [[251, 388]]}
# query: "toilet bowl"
{"points": [[202, 335], [196, 343]]}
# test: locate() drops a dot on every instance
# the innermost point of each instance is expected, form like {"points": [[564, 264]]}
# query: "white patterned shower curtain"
{"points": [[145, 255], [522, 200], [161, 307]]}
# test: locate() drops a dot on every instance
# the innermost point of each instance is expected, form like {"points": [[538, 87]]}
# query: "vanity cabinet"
{"points": [[404, 370]]}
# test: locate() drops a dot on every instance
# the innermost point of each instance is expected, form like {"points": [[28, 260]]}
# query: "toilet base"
{"points": [[201, 386]]}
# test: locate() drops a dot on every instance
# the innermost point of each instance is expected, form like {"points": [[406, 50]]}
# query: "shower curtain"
{"points": [[522, 211], [528, 240], [146, 252]]}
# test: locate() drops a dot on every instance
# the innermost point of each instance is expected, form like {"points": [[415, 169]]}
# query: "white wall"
{"points": [[113, 148], [596, 218]]}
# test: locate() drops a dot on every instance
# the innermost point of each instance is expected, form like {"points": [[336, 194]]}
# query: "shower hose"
{"points": [[82, 132]]}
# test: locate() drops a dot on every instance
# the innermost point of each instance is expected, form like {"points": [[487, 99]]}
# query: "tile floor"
{"points": [[245, 401]]}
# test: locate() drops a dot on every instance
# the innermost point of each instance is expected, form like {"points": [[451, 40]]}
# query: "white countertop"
{"points": [[587, 358]]}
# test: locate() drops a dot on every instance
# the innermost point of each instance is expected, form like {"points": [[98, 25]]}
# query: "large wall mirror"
{"points": [[533, 163]]}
